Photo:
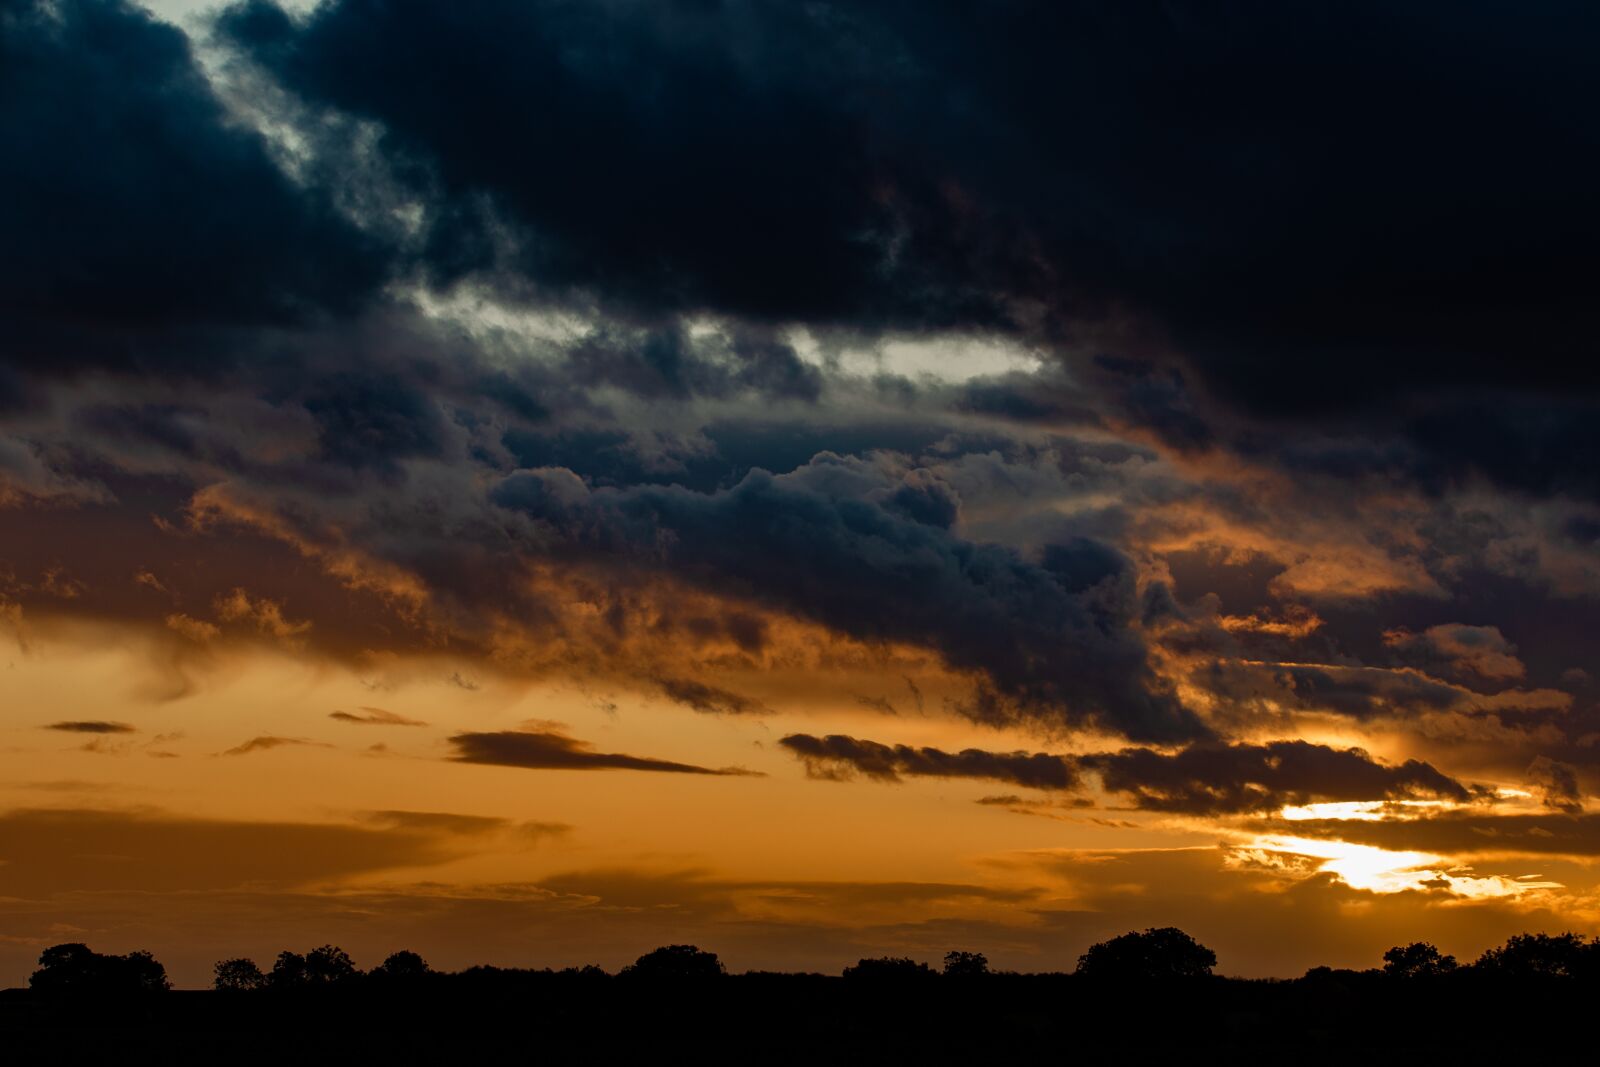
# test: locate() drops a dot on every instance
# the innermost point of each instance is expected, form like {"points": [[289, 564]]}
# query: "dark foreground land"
{"points": [[540, 1018]]}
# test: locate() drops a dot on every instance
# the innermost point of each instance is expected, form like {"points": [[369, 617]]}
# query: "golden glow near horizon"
{"points": [[682, 855]]}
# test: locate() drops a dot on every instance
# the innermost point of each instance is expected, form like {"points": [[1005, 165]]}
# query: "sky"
{"points": [[531, 482]]}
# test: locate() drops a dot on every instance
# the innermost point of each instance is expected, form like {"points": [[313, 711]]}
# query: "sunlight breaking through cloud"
{"points": [[1378, 870]]}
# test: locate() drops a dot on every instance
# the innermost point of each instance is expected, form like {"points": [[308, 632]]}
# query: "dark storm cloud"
{"points": [[135, 214], [1052, 639], [667, 363], [761, 198], [1202, 779], [372, 420], [1023, 397], [865, 545], [1198, 217], [1305, 199], [543, 750], [1323, 209], [1259, 107], [607, 454]]}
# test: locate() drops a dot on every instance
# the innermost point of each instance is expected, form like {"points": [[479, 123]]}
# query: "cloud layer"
{"points": [[545, 750], [1202, 779]]}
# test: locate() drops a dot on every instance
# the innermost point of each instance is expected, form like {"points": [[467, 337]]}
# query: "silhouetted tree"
{"points": [[402, 966], [142, 971], [322, 967], [288, 971], [1417, 960], [965, 964], [237, 976], [889, 968], [330, 965], [75, 968], [1164, 952], [677, 961], [1565, 955]]}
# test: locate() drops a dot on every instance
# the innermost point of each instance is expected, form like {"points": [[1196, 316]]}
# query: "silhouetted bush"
{"points": [[74, 968], [1157, 953]]}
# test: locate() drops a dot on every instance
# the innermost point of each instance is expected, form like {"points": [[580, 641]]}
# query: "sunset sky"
{"points": [[528, 482]]}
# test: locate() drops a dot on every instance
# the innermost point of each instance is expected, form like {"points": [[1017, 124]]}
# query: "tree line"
{"points": [[1156, 954]]}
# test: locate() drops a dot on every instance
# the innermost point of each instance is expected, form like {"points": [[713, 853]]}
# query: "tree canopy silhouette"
{"points": [[402, 966], [1565, 955], [965, 964], [237, 975], [328, 965], [1157, 953], [75, 968], [1417, 960], [889, 968], [677, 961]]}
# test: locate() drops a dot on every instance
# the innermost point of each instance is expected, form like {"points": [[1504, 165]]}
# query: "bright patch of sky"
{"points": [[950, 358]]}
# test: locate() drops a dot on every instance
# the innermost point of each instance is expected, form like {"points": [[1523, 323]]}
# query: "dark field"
{"points": [[533, 1017]]}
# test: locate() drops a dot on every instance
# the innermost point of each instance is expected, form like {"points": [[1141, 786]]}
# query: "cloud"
{"points": [[448, 823], [1202, 779], [266, 616], [196, 630], [707, 698], [836, 755], [1050, 639], [1558, 782], [1360, 692], [263, 744], [52, 851], [93, 726], [1467, 833], [545, 750], [1226, 778], [368, 716], [131, 248], [1480, 652], [443, 822], [925, 194]]}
